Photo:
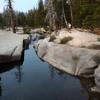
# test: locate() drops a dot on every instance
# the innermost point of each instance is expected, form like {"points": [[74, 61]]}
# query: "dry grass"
{"points": [[66, 39], [52, 38], [97, 31], [83, 46], [98, 39], [94, 46]]}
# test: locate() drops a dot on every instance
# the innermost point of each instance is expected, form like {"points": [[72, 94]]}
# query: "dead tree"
{"points": [[11, 14], [63, 13], [69, 2]]}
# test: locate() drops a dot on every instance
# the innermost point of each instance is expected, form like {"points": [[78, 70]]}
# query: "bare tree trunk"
{"points": [[11, 16], [51, 16], [63, 12], [71, 11]]}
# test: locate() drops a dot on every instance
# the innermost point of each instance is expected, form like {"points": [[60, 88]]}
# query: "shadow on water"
{"points": [[9, 66], [86, 85], [18, 73]]}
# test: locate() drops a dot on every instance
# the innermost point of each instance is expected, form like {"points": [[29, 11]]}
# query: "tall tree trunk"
{"points": [[51, 16], [11, 16], [71, 11], [63, 14]]}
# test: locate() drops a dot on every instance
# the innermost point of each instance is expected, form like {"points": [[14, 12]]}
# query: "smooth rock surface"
{"points": [[73, 60], [72, 57], [11, 46]]}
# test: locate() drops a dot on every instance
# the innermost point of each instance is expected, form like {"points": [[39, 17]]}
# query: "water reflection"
{"points": [[86, 84], [7, 67], [18, 74], [35, 82], [0, 88], [54, 71]]}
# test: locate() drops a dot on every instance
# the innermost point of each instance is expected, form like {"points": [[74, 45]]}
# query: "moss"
{"points": [[66, 39], [52, 38]]}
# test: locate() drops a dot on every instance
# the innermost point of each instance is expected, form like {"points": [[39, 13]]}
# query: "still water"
{"points": [[36, 80]]}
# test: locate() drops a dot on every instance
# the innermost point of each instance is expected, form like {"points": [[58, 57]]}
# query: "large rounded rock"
{"points": [[73, 60], [42, 47], [79, 57], [11, 46]]}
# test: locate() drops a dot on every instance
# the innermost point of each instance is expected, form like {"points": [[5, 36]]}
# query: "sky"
{"points": [[20, 5]]}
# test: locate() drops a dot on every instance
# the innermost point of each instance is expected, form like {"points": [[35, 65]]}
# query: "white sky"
{"points": [[20, 5]]}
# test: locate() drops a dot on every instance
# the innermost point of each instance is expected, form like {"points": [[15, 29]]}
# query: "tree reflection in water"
{"points": [[54, 71], [18, 74], [86, 84], [7, 67]]}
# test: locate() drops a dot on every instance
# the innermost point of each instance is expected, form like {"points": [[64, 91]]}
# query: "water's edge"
{"points": [[34, 79]]}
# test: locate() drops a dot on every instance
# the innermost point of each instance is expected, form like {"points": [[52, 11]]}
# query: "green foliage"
{"points": [[30, 18], [86, 14], [59, 5], [39, 15], [21, 19], [34, 18], [66, 39], [1, 21]]}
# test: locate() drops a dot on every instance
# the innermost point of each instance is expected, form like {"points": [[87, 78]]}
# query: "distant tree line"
{"points": [[57, 14], [33, 18]]}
